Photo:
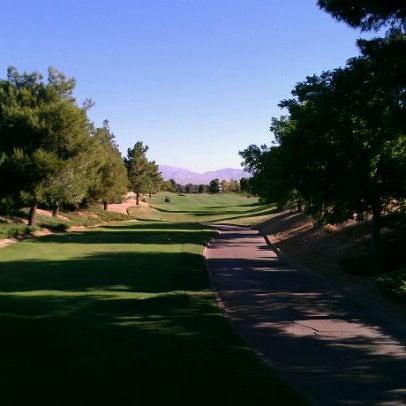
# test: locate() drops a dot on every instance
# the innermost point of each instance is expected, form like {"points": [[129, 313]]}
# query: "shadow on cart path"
{"points": [[326, 343]]}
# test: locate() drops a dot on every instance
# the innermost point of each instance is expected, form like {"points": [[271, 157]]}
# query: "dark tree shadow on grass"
{"points": [[152, 272], [122, 328], [211, 212], [139, 233]]}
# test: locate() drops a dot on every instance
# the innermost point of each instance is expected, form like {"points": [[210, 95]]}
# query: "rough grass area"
{"points": [[9, 230], [122, 314]]}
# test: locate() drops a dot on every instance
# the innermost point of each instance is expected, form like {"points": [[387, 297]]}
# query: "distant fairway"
{"points": [[231, 208], [124, 314]]}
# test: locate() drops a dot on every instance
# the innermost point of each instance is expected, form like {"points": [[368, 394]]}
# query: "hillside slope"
{"points": [[320, 249]]}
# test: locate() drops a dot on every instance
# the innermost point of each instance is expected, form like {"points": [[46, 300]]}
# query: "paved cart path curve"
{"points": [[323, 341]]}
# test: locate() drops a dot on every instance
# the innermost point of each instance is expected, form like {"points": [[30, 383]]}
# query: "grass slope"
{"points": [[122, 314]]}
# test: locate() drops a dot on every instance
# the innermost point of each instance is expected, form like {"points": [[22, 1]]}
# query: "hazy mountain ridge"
{"points": [[185, 176]]}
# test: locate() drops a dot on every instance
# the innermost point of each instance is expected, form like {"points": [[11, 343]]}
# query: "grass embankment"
{"points": [[15, 225], [122, 314]]}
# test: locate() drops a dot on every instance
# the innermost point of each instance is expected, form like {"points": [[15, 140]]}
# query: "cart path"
{"points": [[324, 342]]}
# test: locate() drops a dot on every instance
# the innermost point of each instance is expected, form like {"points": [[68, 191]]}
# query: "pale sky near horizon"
{"points": [[195, 80]]}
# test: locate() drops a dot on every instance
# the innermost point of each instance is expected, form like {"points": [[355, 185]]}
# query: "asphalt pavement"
{"points": [[319, 338]]}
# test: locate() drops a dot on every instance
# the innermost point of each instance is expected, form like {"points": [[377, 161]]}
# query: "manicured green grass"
{"points": [[230, 208], [122, 315]]}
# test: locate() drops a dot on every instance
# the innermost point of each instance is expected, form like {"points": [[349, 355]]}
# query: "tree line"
{"points": [[340, 151], [214, 186], [52, 155]]}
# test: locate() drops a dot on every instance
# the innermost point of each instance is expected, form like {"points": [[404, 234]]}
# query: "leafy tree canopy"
{"points": [[110, 182], [214, 186], [367, 14], [44, 139]]}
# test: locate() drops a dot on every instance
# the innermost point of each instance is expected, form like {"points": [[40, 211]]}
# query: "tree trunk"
{"points": [[300, 205], [32, 215], [55, 211], [376, 233], [137, 199], [105, 205]]}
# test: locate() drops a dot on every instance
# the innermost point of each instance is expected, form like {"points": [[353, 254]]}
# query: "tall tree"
{"points": [[348, 146], [143, 175], [111, 180], [214, 186], [202, 188], [170, 185], [68, 138], [342, 147], [224, 186], [381, 99], [270, 181], [41, 129], [245, 185], [153, 178]]}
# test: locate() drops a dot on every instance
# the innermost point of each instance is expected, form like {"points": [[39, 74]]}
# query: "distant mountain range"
{"points": [[185, 176]]}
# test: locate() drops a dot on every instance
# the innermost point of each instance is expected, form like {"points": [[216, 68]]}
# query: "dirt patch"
{"points": [[48, 213], [125, 205], [42, 232], [77, 228], [44, 212], [7, 241]]}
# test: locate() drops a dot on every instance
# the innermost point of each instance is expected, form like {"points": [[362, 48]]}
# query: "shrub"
{"points": [[394, 283], [13, 230]]}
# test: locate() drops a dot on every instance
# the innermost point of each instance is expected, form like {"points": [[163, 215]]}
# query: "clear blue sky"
{"points": [[195, 80]]}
